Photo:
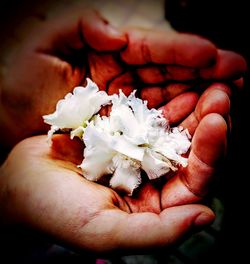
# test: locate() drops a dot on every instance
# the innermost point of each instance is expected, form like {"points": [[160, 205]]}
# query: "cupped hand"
{"points": [[42, 187], [57, 53]]}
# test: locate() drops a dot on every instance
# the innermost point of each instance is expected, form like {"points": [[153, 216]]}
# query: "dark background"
{"points": [[227, 24]]}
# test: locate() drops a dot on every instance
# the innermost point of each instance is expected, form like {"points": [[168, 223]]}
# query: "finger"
{"points": [[103, 68], [208, 147], [99, 34], [171, 90], [153, 95], [157, 96], [64, 148], [168, 47], [160, 74], [239, 83], [69, 32], [229, 65], [124, 82], [214, 100], [116, 230], [179, 107]]}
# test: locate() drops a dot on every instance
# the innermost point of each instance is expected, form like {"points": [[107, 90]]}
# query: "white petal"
{"points": [[171, 145], [96, 163], [117, 141], [97, 155], [122, 145], [138, 124], [52, 130], [126, 176], [155, 165], [78, 132], [123, 119], [76, 108]]}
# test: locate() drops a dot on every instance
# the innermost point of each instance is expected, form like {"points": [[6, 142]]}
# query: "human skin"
{"points": [[41, 187], [58, 201], [58, 53]]}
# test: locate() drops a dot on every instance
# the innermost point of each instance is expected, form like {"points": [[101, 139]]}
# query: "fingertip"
{"points": [[236, 62], [188, 216], [180, 107], [101, 35], [214, 100], [228, 65], [239, 83], [205, 218], [219, 86], [210, 139], [216, 122]]}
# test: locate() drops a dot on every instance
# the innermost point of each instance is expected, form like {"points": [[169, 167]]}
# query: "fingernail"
{"points": [[204, 219]]}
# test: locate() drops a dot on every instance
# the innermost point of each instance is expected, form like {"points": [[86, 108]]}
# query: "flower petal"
{"points": [[97, 155], [78, 132], [124, 120], [51, 132], [76, 108], [127, 175], [122, 145], [155, 165], [117, 141], [172, 145]]}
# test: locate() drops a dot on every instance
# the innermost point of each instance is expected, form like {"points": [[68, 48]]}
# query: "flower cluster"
{"points": [[132, 138]]}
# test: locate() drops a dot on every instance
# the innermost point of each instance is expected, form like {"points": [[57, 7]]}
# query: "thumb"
{"points": [[99, 34], [141, 231], [71, 29], [208, 147]]}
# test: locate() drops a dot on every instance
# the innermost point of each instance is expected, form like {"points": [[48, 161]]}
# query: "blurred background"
{"points": [[226, 24]]}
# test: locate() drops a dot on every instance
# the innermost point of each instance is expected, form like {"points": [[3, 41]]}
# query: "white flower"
{"points": [[75, 109], [132, 117], [131, 139], [107, 152]]}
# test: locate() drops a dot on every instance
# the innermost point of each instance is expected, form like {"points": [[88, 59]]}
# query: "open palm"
{"points": [[42, 187]]}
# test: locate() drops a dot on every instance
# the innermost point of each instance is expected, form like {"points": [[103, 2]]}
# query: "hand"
{"points": [[47, 65], [41, 187]]}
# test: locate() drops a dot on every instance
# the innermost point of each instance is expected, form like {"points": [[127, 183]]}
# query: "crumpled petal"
{"points": [[97, 155], [156, 165], [131, 116], [123, 146], [124, 120], [173, 144], [52, 130], [78, 132], [127, 176], [118, 141], [131, 139], [102, 146], [75, 109]]}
